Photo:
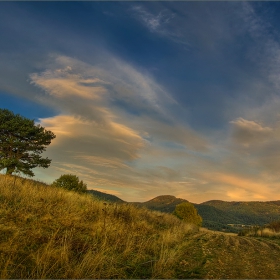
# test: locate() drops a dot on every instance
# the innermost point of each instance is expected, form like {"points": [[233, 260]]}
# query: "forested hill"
{"points": [[249, 212], [163, 203], [105, 196], [216, 219], [213, 218], [216, 214]]}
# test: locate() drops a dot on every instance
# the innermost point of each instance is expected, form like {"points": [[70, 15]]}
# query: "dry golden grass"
{"points": [[264, 232], [46, 232], [257, 231]]}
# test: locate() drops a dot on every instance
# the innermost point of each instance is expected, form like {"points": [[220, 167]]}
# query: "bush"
{"points": [[187, 212], [275, 225], [70, 182]]}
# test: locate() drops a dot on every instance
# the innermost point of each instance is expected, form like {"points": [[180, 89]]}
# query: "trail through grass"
{"points": [[214, 255]]}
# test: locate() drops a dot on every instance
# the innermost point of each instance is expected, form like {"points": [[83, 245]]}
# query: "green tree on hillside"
{"points": [[21, 143], [187, 212], [70, 182]]}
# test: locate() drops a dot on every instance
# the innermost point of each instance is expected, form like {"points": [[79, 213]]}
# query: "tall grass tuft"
{"points": [[47, 232]]}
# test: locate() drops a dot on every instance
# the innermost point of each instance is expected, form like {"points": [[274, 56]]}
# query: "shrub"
{"points": [[70, 182], [187, 212], [275, 225]]}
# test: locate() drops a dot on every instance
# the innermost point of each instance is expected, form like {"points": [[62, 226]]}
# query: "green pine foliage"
{"points": [[22, 143], [70, 182]]}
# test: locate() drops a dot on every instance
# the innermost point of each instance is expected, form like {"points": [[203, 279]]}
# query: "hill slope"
{"points": [[105, 196], [216, 214], [163, 203], [220, 256], [252, 212], [213, 218], [47, 232], [217, 219]]}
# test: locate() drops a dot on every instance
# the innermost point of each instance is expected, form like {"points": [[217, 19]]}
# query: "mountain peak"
{"points": [[163, 203], [166, 199], [163, 197]]}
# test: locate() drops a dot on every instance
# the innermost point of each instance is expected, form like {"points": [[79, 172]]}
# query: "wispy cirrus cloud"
{"points": [[249, 132], [155, 22], [211, 132], [62, 83], [96, 130], [160, 23], [112, 82], [128, 149]]}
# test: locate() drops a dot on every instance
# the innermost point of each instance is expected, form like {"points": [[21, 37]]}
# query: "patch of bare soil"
{"points": [[215, 255]]}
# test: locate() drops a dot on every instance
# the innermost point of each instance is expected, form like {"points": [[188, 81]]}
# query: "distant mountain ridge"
{"points": [[249, 212], [163, 203], [216, 214]]}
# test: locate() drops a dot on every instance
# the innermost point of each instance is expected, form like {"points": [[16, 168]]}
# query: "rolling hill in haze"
{"points": [[216, 214]]}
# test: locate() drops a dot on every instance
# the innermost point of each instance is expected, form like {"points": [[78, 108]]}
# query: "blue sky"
{"points": [[150, 98]]}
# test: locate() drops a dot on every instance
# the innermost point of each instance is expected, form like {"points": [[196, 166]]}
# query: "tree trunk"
{"points": [[10, 170]]}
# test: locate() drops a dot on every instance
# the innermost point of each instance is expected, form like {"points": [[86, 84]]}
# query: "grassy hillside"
{"points": [[217, 214], [46, 232]]}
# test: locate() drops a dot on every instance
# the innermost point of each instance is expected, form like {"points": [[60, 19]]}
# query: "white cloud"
{"points": [[61, 83], [104, 142], [112, 140], [138, 155], [160, 23], [153, 22], [94, 93], [249, 132], [115, 127], [105, 84]]}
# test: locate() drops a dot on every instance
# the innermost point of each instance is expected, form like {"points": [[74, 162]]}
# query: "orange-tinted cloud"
{"points": [[238, 187], [137, 149]]}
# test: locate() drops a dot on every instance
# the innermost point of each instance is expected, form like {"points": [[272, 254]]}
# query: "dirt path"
{"points": [[217, 255]]}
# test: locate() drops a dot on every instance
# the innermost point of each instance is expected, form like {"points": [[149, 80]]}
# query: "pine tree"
{"points": [[22, 143]]}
